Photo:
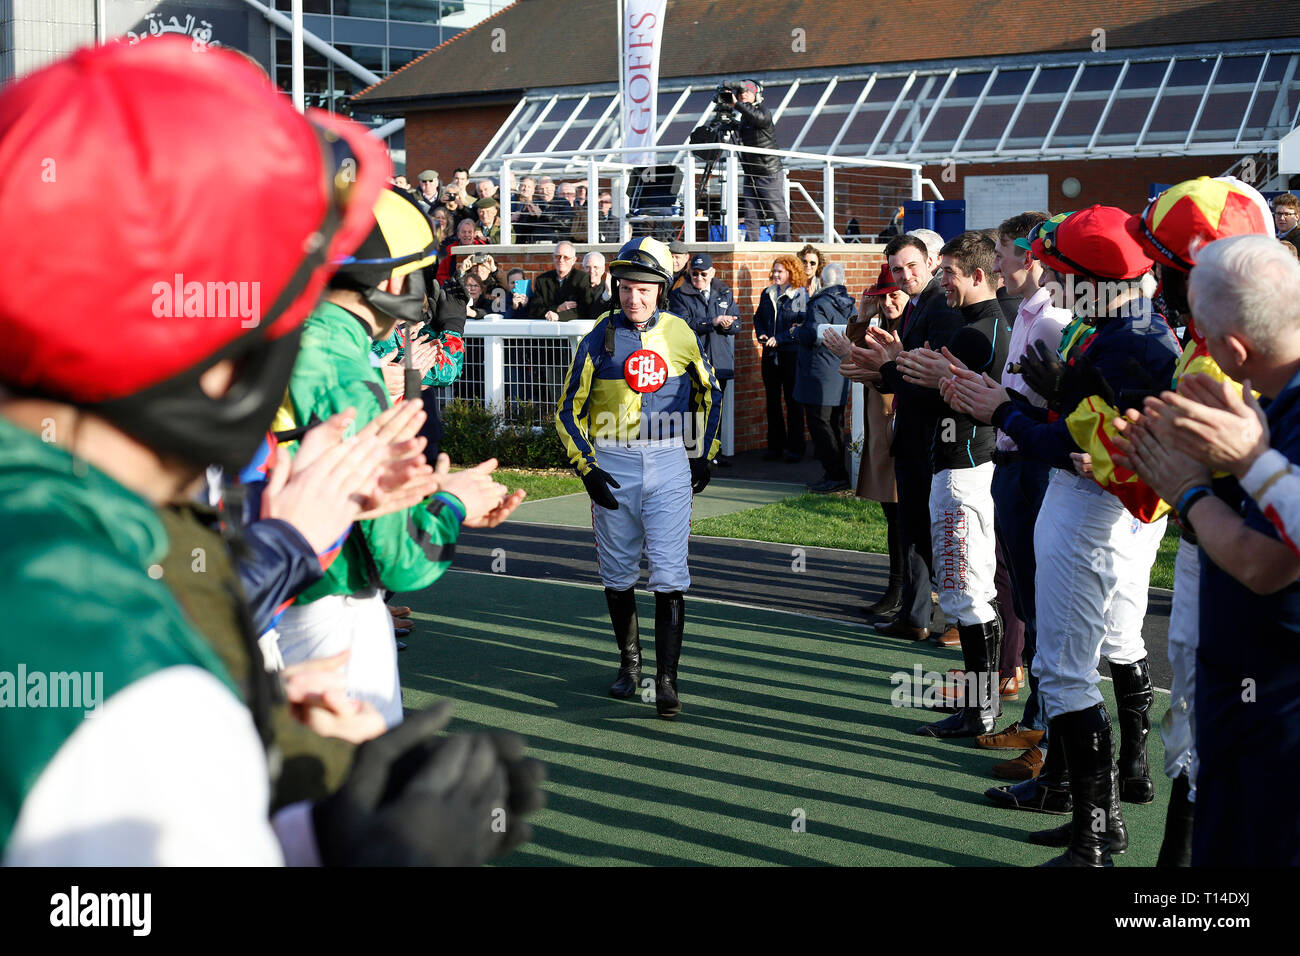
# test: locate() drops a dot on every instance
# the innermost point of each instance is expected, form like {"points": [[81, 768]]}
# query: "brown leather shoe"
{"points": [[900, 628], [1010, 687], [949, 637], [1012, 738], [1024, 767]]}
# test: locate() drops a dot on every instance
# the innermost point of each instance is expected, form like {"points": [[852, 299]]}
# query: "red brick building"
{"points": [[1094, 101]]}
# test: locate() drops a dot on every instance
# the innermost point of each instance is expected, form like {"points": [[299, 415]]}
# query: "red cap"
{"points": [[884, 282], [127, 170], [1093, 242]]}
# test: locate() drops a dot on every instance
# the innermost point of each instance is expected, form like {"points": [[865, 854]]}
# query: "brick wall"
{"points": [[747, 274], [447, 138]]}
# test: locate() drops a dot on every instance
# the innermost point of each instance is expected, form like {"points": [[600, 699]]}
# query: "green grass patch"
{"points": [[845, 521], [538, 482], [816, 521]]}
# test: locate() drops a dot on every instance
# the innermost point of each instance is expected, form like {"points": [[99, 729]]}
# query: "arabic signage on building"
{"points": [[206, 25]]}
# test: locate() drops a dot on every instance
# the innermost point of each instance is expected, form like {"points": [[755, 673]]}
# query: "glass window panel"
{"points": [[945, 128], [1260, 125], [1133, 103], [804, 98], [371, 57], [414, 35], [398, 57], [1222, 117], [1081, 117], [588, 115], [986, 131], [1238, 69], [902, 129], [1173, 118], [823, 131], [366, 32], [541, 134], [873, 112], [1099, 78], [968, 84], [845, 94], [374, 9], [1009, 83], [311, 60], [417, 11], [1041, 107]]}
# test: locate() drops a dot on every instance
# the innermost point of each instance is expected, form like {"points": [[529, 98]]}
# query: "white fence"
{"points": [[523, 362], [867, 186]]}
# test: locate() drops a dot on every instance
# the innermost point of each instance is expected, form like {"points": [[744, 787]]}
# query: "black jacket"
{"points": [[699, 309], [548, 291], [758, 129], [981, 343], [930, 320]]}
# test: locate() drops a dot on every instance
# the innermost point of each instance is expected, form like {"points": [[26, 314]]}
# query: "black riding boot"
{"points": [[1049, 792], [1176, 850], [1086, 737], [622, 614], [1115, 828], [670, 619], [978, 642], [1134, 695]]}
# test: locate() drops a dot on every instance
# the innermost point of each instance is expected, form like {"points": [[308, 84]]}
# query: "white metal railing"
{"points": [[596, 167], [522, 365]]}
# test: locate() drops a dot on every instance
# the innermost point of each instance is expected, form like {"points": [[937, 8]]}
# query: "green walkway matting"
{"points": [[787, 720], [723, 496]]}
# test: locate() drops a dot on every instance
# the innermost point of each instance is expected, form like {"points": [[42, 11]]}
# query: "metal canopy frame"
{"points": [[1271, 94]]}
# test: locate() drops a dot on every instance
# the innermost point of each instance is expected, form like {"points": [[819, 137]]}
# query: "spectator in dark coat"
{"points": [[819, 386], [560, 294], [709, 308], [782, 304]]}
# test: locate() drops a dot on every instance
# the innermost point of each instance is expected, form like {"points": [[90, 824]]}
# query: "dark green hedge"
{"points": [[472, 433]]}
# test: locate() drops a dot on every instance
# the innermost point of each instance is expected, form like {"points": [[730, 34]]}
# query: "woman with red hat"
{"points": [[882, 304]]}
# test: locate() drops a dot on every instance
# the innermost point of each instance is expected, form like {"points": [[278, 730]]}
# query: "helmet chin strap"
{"points": [[407, 306]]}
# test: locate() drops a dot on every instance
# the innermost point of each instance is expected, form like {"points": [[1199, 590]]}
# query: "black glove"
{"points": [[416, 798], [700, 473], [598, 482], [1081, 380], [1042, 372]]}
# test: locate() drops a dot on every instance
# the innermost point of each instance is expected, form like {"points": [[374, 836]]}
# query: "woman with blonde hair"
{"points": [[781, 306], [813, 261]]}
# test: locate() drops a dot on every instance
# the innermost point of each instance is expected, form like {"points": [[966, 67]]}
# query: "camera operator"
{"points": [[762, 199]]}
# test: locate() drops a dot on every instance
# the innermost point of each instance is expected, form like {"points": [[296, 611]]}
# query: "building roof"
{"points": [[537, 44]]}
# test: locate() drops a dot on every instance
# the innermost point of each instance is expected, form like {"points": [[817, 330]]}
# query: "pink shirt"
{"points": [[1036, 321]]}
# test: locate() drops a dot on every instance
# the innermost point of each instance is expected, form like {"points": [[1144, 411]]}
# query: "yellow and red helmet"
{"points": [[1195, 212]]}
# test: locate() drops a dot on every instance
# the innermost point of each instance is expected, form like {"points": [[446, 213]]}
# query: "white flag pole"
{"points": [[622, 79], [295, 44]]}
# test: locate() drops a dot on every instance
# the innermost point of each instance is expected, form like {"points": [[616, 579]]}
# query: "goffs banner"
{"points": [[642, 31]]}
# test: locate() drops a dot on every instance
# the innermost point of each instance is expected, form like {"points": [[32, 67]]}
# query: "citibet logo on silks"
{"points": [[645, 371]]}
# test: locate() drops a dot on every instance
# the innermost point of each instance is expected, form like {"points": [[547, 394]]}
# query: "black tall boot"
{"points": [[976, 717], [1176, 850], [1086, 737], [1134, 695], [1049, 792], [670, 619], [622, 614], [892, 600], [1115, 828]]}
